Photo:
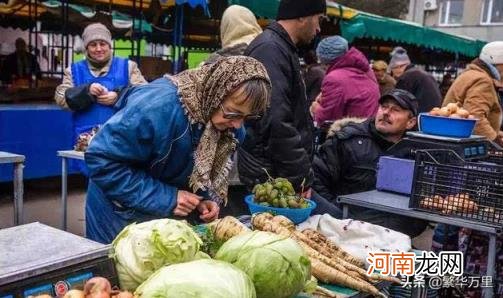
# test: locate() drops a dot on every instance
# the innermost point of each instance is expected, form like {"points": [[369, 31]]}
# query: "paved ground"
{"points": [[43, 204]]}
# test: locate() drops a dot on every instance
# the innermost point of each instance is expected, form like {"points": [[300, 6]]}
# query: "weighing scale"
{"points": [[473, 147], [396, 170], [37, 259]]}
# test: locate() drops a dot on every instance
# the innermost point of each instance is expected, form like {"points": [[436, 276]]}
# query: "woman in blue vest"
{"points": [[167, 151], [90, 87]]}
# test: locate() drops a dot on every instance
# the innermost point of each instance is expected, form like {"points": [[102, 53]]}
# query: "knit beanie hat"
{"points": [[331, 48], [399, 57], [492, 53], [293, 9], [96, 31]]}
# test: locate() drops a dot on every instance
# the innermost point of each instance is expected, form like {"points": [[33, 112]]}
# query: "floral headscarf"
{"points": [[201, 91]]}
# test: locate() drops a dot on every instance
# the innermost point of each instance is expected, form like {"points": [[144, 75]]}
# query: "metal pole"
{"points": [[133, 37], [18, 193], [491, 262], [67, 38], [64, 191], [139, 33]]}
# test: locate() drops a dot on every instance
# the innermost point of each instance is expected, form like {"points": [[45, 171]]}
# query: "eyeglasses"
{"points": [[237, 116]]}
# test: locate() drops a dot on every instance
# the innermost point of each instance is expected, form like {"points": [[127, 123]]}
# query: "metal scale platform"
{"points": [[474, 147], [37, 259]]}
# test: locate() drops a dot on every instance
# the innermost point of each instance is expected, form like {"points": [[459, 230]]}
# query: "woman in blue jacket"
{"points": [[168, 149]]}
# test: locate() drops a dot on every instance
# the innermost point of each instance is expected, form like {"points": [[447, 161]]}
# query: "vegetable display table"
{"points": [[399, 204], [65, 155], [18, 161]]}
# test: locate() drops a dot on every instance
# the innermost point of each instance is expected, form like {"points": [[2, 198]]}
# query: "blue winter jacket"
{"points": [[139, 160]]}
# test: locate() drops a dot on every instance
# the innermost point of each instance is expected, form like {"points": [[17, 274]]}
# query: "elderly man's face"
{"points": [[392, 119]]}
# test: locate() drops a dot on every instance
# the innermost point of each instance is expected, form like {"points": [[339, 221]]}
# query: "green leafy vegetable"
{"points": [[277, 265], [198, 279], [141, 249]]}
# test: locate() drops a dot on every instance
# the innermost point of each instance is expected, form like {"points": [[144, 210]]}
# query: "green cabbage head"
{"points": [[141, 249], [198, 279], [276, 264]]}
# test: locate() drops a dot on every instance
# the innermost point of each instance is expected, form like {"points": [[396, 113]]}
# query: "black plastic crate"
{"points": [[446, 184], [494, 156]]}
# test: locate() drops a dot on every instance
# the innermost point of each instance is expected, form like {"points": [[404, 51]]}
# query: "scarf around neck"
{"points": [[201, 92]]}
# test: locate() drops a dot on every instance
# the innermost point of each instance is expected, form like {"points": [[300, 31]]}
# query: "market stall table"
{"points": [[36, 131], [18, 161], [65, 155], [38, 259], [399, 204]]}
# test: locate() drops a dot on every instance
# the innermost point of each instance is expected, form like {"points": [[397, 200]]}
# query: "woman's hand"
{"points": [[97, 89], [209, 210], [186, 202], [108, 99]]}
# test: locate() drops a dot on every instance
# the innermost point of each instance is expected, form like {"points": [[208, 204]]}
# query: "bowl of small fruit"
{"points": [[449, 121], [278, 197]]}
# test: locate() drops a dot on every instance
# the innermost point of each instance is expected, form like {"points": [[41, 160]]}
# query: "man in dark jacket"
{"points": [[20, 65], [282, 141], [415, 80], [347, 161]]}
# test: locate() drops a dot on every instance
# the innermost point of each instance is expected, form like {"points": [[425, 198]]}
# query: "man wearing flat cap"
{"points": [[347, 161], [282, 141]]}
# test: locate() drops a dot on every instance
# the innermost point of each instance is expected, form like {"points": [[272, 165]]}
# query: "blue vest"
{"points": [[117, 77], [96, 114]]}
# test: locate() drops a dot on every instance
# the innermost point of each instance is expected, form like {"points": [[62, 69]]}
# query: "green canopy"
{"points": [[356, 24], [262, 8], [376, 27]]}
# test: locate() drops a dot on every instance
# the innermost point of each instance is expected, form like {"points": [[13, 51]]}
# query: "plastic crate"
{"points": [[446, 184], [494, 156]]}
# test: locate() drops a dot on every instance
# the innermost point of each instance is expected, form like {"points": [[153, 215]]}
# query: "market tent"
{"points": [[355, 24]]}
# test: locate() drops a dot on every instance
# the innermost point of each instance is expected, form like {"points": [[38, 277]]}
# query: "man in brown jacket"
{"points": [[476, 89]]}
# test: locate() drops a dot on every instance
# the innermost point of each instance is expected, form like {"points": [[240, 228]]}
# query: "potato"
{"points": [[452, 107], [456, 115], [444, 112], [74, 294], [463, 113], [435, 112], [472, 117]]}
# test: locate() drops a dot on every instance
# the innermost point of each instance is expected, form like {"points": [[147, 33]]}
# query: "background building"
{"points": [[480, 19]]}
